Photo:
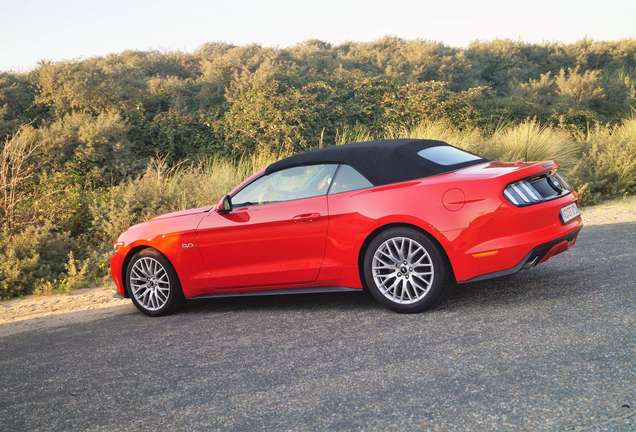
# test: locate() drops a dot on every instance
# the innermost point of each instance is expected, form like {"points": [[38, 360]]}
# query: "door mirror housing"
{"points": [[225, 206]]}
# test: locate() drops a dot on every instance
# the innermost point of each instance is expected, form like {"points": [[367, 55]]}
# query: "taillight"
{"points": [[560, 178], [536, 189]]}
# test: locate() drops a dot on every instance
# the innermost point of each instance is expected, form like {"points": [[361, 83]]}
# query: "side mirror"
{"points": [[226, 204]]}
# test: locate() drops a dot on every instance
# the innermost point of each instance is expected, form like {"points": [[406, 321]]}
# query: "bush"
{"points": [[607, 166], [30, 260]]}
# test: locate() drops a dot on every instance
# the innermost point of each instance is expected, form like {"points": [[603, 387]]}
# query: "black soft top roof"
{"points": [[381, 162]]}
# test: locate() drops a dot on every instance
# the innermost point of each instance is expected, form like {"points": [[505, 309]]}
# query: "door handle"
{"points": [[306, 217]]}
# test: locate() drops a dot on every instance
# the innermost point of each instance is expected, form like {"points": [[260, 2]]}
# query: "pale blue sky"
{"points": [[31, 30]]}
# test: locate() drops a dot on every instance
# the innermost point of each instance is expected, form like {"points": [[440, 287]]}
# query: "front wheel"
{"points": [[404, 270], [152, 283]]}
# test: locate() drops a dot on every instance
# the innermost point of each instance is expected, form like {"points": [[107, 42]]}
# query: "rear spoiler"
{"points": [[528, 169]]}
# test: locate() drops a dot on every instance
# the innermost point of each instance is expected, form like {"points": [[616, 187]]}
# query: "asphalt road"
{"points": [[548, 349]]}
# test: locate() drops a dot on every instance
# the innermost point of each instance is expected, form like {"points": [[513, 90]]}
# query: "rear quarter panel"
{"points": [[355, 215]]}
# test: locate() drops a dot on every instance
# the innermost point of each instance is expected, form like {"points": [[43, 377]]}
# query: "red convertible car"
{"points": [[402, 219]]}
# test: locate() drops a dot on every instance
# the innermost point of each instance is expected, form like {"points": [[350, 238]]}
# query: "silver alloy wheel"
{"points": [[402, 270], [149, 283]]}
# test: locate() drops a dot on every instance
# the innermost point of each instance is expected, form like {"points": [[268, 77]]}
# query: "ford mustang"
{"points": [[402, 219]]}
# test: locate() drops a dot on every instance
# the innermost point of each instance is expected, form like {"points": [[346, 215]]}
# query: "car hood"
{"points": [[181, 213], [179, 221]]}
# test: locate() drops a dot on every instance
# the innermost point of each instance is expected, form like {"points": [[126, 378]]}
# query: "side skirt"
{"points": [[278, 292]]}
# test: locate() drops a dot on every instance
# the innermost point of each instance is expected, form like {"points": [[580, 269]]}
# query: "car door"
{"points": [[349, 225], [274, 235]]}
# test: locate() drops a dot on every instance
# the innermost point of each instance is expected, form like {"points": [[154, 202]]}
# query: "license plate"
{"points": [[569, 212]]}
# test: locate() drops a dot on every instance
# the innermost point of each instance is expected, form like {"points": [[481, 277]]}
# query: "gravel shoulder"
{"points": [[611, 212], [32, 307]]}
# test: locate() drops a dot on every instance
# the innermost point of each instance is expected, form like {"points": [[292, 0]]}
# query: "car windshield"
{"points": [[447, 155]]}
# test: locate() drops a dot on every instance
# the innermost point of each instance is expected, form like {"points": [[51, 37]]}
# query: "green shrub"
{"points": [[607, 166], [75, 275], [30, 260]]}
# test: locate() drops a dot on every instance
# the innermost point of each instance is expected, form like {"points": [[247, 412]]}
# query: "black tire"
{"points": [[440, 273], [163, 305]]}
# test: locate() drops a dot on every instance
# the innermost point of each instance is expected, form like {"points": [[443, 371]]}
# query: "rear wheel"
{"points": [[152, 283], [404, 270]]}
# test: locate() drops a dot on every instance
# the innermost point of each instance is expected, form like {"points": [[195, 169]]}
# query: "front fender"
{"points": [[168, 236]]}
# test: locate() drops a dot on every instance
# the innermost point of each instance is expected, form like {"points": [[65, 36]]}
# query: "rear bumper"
{"points": [[536, 256], [497, 242]]}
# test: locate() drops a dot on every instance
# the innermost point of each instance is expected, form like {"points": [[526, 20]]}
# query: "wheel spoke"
{"points": [[162, 296], [139, 265], [145, 295], [147, 265], [405, 288], [397, 250], [416, 285], [423, 260], [390, 287], [142, 269], [414, 252], [389, 255], [420, 277]]}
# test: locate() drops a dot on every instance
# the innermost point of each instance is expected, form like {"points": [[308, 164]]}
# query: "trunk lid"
{"points": [[508, 172]]}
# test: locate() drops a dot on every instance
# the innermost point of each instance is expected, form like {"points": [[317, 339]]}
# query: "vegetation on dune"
{"points": [[90, 147]]}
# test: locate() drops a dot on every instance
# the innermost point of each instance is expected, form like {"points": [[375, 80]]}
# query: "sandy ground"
{"points": [[33, 307], [617, 211], [99, 302], [60, 310]]}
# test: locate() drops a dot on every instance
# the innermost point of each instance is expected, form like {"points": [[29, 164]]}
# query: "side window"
{"points": [[288, 184], [447, 155], [348, 179]]}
